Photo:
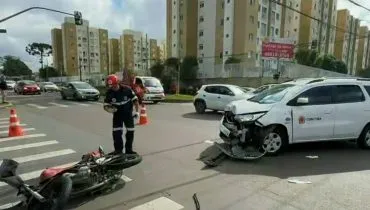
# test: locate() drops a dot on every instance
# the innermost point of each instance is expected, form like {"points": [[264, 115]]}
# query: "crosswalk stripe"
{"points": [[24, 129], [159, 203], [4, 122], [60, 105], [6, 126], [26, 146], [37, 106], [40, 156], [9, 205], [4, 118], [36, 174], [80, 104], [22, 137]]}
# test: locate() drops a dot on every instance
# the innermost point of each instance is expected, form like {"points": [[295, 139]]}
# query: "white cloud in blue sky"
{"points": [[115, 15]]}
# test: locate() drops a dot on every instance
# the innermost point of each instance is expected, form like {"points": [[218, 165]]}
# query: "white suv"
{"points": [[304, 110], [217, 96]]}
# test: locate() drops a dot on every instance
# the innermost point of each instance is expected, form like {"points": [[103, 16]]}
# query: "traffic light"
{"points": [[78, 18]]}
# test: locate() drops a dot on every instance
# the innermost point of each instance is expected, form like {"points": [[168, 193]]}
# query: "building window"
{"points": [[258, 24], [227, 35], [201, 33], [222, 21], [201, 4], [251, 2], [276, 31], [277, 16], [174, 31], [226, 52], [201, 19], [251, 18], [201, 46], [181, 17], [174, 17], [200, 60], [228, 1], [227, 18], [221, 55], [250, 36]]}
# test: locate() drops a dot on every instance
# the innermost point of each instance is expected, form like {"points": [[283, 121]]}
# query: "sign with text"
{"points": [[277, 50]]}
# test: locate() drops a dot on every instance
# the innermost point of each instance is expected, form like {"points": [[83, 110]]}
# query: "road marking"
{"points": [[37, 106], [25, 146], [36, 174], [9, 205], [159, 203], [22, 137], [4, 122], [24, 129], [6, 126], [97, 103], [80, 104], [60, 105], [40, 156], [209, 142], [126, 179], [4, 118]]}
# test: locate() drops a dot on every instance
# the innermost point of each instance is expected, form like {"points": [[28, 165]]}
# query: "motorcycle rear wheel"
{"points": [[56, 193]]}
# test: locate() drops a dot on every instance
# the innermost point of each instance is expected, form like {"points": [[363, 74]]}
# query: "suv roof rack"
{"points": [[363, 79]]}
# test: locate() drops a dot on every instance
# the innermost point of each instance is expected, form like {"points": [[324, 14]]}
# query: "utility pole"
{"points": [[80, 67]]}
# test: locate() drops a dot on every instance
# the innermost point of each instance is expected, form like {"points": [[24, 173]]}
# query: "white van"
{"points": [[305, 110], [153, 88]]}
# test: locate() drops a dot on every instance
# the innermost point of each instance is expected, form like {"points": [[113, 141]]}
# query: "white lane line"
{"points": [[9, 205], [22, 137], [37, 106], [159, 203], [126, 179], [24, 129], [80, 104], [6, 126], [4, 118], [209, 142], [25, 146], [60, 105], [4, 122], [36, 174], [41, 156]]}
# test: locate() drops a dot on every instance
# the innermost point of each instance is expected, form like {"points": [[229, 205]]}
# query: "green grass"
{"points": [[179, 98]]}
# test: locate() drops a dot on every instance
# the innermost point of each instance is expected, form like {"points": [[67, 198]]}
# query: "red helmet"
{"points": [[112, 80]]}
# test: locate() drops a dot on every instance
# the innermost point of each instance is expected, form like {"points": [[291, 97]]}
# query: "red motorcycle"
{"points": [[96, 171]]}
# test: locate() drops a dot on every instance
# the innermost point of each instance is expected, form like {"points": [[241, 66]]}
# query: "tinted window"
{"points": [[211, 89], [348, 94], [225, 91], [367, 89], [152, 82], [318, 95]]}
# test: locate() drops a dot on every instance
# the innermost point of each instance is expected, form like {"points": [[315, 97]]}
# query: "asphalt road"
{"points": [[170, 173]]}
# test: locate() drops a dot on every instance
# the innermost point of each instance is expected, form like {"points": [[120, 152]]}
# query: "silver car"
{"points": [[48, 86], [80, 91]]}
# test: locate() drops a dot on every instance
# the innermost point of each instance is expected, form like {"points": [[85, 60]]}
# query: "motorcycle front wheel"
{"points": [[56, 193]]}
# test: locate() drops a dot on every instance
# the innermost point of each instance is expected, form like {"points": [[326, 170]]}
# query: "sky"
{"points": [[115, 15]]}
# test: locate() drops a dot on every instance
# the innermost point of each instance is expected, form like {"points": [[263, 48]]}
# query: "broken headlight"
{"points": [[249, 117]]}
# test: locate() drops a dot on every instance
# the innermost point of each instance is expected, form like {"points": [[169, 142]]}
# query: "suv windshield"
{"points": [[82, 85], [272, 95], [152, 82], [29, 82]]}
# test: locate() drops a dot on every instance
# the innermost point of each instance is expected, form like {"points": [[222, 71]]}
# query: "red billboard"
{"points": [[277, 50]]}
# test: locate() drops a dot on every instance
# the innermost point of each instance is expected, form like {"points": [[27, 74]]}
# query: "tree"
{"points": [[364, 73], [189, 68], [232, 60], [39, 49], [157, 70], [340, 67], [48, 71], [13, 66], [301, 56]]}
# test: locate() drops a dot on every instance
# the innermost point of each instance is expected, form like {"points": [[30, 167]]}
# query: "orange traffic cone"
{"points": [[143, 116], [14, 128]]}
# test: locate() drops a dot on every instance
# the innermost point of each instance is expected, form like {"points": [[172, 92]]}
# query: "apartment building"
{"points": [[346, 42], [154, 52], [57, 45], [114, 64], [290, 20], [84, 48], [318, 35], [163, 50], [135, 52], [362, 51]]}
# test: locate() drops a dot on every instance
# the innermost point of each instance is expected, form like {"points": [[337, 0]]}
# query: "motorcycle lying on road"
{"points": [[96, 171]]}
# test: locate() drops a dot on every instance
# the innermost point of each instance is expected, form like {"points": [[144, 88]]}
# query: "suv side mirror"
{"points": [[302, 100]]}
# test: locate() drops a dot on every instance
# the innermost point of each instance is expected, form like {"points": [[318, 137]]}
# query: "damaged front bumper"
{"points": [[240, 135]]}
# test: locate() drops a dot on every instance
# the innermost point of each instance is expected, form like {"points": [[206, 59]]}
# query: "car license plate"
{"points": [[224, 130]]}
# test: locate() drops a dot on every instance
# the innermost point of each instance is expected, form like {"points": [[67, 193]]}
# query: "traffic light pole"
{"points": [[32, 8]]}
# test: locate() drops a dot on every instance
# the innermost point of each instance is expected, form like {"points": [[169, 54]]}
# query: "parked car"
{"points": [[10, 84], [27, 87], [153, 88], [217, 96], [80, 91], [306, 110], [48, 86]]}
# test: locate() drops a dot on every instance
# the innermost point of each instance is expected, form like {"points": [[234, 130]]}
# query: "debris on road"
{"points": [[296, 181], [312, 156], [212, 156]]}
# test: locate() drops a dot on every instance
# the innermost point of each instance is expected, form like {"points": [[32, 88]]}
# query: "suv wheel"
{"points": [[274, 140], [364, 140], [200, 107]]}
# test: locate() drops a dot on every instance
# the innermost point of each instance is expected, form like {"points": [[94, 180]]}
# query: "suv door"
{"points": [[313, 120], [350, 113], [210, 95], [225, 97]]}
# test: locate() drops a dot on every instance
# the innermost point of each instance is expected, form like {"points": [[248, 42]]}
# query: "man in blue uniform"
{"points": [[121, 100]]}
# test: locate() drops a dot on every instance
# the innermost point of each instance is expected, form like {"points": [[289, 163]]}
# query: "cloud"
{"points": [[114, 15]]}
